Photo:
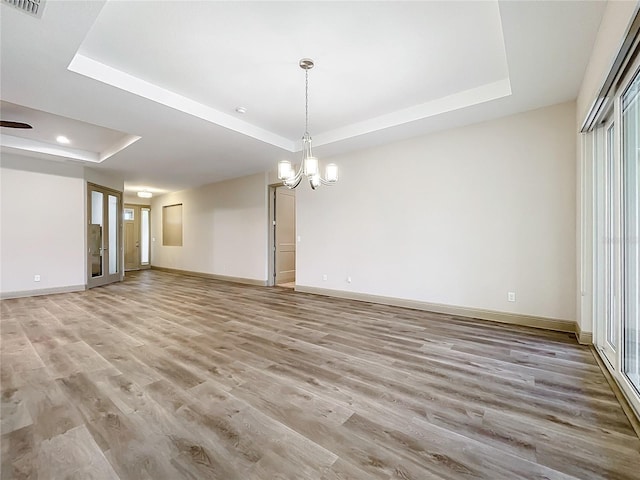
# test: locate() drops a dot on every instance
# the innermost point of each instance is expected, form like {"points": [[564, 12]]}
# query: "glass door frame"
{"points": [[105, 277]]}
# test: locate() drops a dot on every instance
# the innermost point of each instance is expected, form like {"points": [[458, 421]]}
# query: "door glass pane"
{"points": [[95, 234], [631, 219], [114, 256], [610, 316], [144, 236]]}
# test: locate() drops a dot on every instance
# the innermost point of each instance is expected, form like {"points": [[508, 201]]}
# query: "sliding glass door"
{"points": [[607, 247], [617, 236], [630, 106]]}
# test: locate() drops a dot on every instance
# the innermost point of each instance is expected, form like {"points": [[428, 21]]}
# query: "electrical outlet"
{"points": [[324, 277], [36, 278], [511, 296]]}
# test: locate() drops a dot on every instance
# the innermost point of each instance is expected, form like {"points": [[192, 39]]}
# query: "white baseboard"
{"points": [[495, 316], [224, 278], [43, 291]]}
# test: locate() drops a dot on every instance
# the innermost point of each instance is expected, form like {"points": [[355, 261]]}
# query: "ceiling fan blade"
{"points": [[4, 123]]}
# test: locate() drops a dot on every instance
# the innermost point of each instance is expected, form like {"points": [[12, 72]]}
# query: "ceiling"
{"points": [[150, 89]]}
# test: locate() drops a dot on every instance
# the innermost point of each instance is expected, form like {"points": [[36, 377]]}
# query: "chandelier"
{"points": [[309, 165]]}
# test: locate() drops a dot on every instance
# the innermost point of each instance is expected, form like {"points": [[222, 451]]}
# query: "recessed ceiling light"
{"points": [[62, 139], [145, 194], [241, 110]]}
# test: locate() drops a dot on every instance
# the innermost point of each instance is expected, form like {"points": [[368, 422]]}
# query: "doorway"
{"points": [[136, 221], [104, 237], [283, 236]]}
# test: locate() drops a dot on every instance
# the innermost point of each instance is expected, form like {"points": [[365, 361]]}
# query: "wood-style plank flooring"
{"points": [[172, 377]]}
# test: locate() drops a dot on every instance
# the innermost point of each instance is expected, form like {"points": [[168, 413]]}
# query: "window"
{"points": [[172, 225], [144, 236]]}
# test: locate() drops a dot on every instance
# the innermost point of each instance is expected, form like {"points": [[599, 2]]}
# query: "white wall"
{"points": [[617, 17], [42, 219], [224, 229], [459, 217]]}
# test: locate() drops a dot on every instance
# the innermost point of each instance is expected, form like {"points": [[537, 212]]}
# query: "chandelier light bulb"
{"points": [[285, 172], [315, 181], [310, 166], [331, 173]]}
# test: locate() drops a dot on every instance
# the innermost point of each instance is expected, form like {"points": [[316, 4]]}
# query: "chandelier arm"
{"points": [[327, 182], [299, 172], [294, 181], [291, 186]]}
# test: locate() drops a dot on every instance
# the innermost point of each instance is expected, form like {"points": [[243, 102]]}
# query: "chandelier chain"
{"points": [[306, 101]]}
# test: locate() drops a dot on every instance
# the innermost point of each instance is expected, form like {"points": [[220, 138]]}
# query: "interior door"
{"points": [[285, 235], [104, 237]]}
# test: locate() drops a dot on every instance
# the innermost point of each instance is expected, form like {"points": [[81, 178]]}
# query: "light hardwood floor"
{"points": [[172, 377]]}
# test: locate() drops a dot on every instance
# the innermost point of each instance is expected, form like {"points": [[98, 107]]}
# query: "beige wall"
{"points": [[224, 229], [43, 223], [459, 217], [42, 229]]}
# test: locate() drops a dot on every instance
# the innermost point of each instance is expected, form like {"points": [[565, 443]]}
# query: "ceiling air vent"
{"points": [[32, 7]]}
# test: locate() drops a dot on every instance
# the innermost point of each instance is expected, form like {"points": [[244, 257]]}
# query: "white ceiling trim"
{"points": [[29, 145], [37, 146], [467, 98], [118, 146], [91, 68]]}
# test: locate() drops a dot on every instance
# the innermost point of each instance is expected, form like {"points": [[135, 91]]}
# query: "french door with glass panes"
{"points": [[104, 239]]}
